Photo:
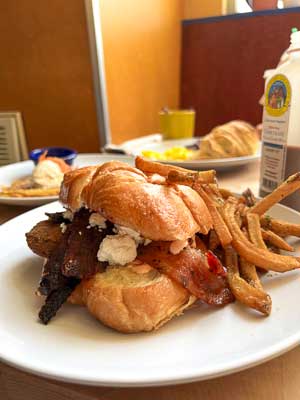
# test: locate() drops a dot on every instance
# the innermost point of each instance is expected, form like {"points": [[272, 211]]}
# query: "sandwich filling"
{"points": [[89, 244]]}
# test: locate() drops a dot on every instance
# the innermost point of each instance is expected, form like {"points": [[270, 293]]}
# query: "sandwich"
{"points": [[129, 246]]}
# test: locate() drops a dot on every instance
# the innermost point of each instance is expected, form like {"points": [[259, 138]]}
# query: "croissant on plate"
{"points": [[233, 139]]}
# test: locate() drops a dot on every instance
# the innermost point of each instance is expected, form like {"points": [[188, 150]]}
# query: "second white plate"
{"points": [[217, 164], [11, 172]]}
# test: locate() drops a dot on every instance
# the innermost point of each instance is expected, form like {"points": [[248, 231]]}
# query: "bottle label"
{"points": [[275, 130]]}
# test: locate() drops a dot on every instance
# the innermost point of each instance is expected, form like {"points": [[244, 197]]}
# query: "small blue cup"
{"points": [[68, 155]]}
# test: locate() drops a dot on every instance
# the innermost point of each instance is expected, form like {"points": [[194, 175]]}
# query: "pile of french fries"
{"points": [[244, 237]]}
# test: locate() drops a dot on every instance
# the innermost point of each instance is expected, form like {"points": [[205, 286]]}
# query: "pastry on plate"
{"points": [[234, 139], [45, 179]]}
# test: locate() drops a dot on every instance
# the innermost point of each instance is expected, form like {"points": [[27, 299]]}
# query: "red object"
{"points": [[215, 265]]}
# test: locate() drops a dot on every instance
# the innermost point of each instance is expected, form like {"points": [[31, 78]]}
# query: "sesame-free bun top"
{"points": [[126, 196]]}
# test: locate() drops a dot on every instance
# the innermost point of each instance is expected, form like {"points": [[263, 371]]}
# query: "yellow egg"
{"points": [[172, 154]]}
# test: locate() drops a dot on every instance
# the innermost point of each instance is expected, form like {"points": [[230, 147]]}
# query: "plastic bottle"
{"points": [[281, 124]]}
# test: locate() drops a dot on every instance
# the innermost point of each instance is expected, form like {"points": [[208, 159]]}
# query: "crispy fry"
{"points": [[35, 192], [218, 223], [282, 228], [214, 191], [165, 169], [214, 240], [225, 193], [249, 273], [288, 187], [275, 240], [248, 270], [214, 194], [245, 293], [191, 177], [254, 230], [259, 257]]}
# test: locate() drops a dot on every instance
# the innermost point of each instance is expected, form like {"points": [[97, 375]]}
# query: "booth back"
{"points": [[223, 62]]}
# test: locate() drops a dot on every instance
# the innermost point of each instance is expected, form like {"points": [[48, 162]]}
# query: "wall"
{"points": [[141, 41], [45, 72], [202, 8], [223, 61]]}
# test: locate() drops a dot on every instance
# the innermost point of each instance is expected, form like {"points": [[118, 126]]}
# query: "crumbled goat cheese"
{"points": [[68, 215], [97, 220], [63, 227], [117, 249], [136, 236]]}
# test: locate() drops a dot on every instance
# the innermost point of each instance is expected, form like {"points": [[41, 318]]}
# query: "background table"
{"points": [[275, 380]]}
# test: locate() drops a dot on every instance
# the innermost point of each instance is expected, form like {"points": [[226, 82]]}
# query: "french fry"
{"points": [[275, 240], [245, 293], [248, 271], [288, 187], [225, 193], [213, 241], [213, 191], [282, 228], [247, 250], [218, 222], [35, 192], [254, 230], [165, 169]]}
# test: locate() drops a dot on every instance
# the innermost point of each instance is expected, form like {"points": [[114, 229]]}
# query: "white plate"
{"points": [[203, 343], [217, 164], [11, 172]]}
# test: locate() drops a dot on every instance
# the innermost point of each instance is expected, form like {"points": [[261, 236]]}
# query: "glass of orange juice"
{"points": [[177, 124]]}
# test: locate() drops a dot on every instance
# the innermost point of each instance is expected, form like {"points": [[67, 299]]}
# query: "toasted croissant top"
{"points": [[234, 139], [126, 196]]}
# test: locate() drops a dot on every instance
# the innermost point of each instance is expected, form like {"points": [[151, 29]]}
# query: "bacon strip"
{"points": [[190, 269], [80, 259]]}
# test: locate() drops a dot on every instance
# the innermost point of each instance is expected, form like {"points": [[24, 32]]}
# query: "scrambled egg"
{"points": [[174, 153]]}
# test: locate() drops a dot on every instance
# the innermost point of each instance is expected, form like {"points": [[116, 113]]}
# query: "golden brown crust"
{"points": [[73, 184], [43, 238], [233, 139], [129, 301], [125, 196]]}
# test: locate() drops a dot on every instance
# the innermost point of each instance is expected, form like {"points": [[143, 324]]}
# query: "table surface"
{"points": [[277, 379]]}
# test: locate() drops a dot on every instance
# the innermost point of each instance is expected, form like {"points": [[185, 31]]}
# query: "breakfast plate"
{"points": [[217, 164], [202, 344], [10, 173]]}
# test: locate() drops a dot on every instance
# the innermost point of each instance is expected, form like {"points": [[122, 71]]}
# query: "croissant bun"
{"points": [[126, 196]]}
